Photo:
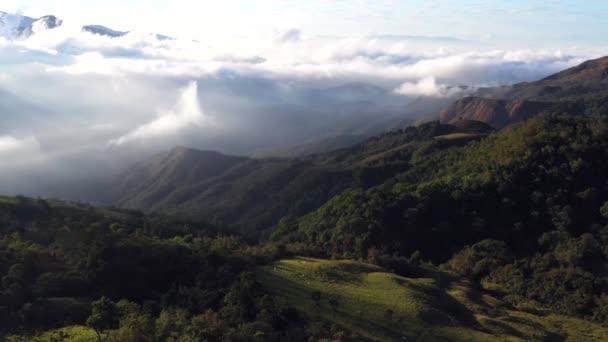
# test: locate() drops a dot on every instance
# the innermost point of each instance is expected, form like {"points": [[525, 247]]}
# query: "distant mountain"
{"points": [[150, 183], [251, 195], [15, 26], [579, 90], [104, 31], [108, 32], [583, 81], [24, 27]]}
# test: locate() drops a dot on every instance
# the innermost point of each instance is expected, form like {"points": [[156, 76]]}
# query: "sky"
{"points": [[547, 23], [245, 76]]}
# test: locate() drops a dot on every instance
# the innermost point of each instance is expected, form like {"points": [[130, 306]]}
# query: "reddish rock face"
{"points": [[501, 107], [496, 113]]}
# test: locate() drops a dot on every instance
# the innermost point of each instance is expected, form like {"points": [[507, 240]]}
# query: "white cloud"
{"points": [[9, 144], [19, 151], [186, 114], [79, 93], [426, 87]]}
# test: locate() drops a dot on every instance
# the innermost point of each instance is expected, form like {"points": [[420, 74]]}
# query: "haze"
{"points": [[241, 79]]}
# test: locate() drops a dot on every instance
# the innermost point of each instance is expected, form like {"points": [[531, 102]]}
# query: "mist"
{"points": [[79, 106]]}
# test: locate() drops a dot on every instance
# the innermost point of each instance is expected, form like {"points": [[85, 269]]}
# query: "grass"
{"points": [[7, 200], [75, 333], [457, 136], [382, 306]]}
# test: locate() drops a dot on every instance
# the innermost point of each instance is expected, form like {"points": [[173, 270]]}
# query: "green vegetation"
{"points": [[74, 333], [249, 196], [457, 136], [72, 272], [377, 304], [431, 233], [537, 189], [501, 237]]}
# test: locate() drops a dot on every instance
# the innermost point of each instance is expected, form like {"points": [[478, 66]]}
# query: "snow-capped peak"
{"points": [[16, 26]]}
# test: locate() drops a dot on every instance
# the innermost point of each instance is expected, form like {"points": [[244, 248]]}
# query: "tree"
{"points": [[104, 316]]}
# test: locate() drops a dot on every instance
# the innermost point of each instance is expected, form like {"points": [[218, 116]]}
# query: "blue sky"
{"points": [[519, 23]]}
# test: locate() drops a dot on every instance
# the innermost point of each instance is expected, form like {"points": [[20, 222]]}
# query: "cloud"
{"points": [[17, 152], [75, 100], [9, 144], [426, 87], [186, 114]]}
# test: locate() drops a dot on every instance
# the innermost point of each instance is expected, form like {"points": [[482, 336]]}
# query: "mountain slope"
{"points": [[583, 81], [322, 145], [383, 306], [149, 183], [497, 113], [23, 27], [579, 90], [253, 194], [104, 31], [524, 212]]}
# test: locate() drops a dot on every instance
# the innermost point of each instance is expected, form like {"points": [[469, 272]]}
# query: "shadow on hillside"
{"points": [[443, 308]]}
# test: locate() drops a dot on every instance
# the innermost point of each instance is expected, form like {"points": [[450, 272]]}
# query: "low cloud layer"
{"points": [[427, 87], [76, 100]]}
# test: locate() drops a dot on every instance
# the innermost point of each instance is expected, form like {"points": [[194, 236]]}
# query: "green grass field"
{"points": [[74, 333], [7, 199], [382, 306]]}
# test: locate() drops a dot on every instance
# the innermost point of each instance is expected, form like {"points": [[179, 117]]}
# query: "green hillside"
{"points": [[252, 195], [382, 306], [440, 232]]}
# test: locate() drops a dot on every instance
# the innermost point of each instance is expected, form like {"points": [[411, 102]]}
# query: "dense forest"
{"points": [[525, 209], [146, 278], [441, 231], [522, 212]]}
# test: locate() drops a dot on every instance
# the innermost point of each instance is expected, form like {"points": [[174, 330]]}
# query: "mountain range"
{"points": [[489, 221], [262, 190], [22, 27], [203, 184]]}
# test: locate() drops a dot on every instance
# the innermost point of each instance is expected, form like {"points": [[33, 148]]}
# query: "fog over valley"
{"points": [[303, 170], [83, 102]]}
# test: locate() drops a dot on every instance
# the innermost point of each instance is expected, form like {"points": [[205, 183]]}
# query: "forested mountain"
{"points": [[435, 232], [251, 195], [262, 190], [524, 209], [517, 217]]}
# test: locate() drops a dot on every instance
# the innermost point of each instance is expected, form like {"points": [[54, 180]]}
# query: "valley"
{"points": [[323, 208]]}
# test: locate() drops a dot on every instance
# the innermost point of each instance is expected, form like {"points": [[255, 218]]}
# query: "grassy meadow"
{"points": [[379, 305]]}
